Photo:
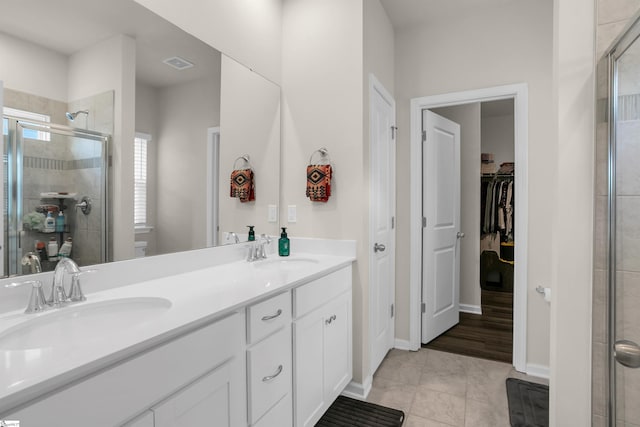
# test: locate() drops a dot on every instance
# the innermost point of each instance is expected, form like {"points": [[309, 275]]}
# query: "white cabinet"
{"points": [[322, 345], [206, 402], [184, 374], [269, 366]]}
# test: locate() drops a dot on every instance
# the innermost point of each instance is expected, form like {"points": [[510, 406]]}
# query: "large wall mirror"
{"points": [[198, 116]]}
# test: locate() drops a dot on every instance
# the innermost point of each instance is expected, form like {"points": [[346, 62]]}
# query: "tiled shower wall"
{"points": [[613, 17], [67, 164]]}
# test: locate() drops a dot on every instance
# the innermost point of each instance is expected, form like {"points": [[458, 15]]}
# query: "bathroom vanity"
{"points": [[266, 343]]}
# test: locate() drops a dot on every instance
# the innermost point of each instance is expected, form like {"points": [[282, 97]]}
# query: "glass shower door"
{"points": [[60, 172], [624, 204]]}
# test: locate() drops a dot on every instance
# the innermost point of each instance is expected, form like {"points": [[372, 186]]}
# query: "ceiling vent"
{"points": [[178, 63]]}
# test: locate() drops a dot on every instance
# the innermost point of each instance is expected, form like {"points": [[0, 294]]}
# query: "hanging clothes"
{"points": [[497, 206]]}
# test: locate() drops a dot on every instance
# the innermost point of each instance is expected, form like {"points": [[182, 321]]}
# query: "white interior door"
{"points": [[441, 225], [382, 234]]}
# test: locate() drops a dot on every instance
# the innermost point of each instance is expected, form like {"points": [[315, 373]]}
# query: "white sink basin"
{"points": [[285, 263], [82, 324]]}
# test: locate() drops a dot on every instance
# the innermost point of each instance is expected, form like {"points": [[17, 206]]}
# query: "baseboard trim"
{"points": [[468, 308], [357, 390], [405, 345], [539, 371]]}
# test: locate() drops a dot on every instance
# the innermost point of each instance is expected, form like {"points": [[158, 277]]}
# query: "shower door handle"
{"points": [[627, 353]]}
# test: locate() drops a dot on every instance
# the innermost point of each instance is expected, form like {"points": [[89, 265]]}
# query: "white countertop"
{"points": [[196, 298]]}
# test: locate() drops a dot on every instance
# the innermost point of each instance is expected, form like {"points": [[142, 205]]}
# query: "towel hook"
{"points": [[324, 156], [245, 158]]}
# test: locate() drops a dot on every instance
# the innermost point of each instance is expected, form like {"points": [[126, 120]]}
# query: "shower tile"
{"points": [[616, 10], [437, 406], [602, 160], [631, 394], [599, 316], [629, 289], [628, 233], [599, 421], [628, 158], [600, 233], [598, 379], [482, 414], [392, 394]]}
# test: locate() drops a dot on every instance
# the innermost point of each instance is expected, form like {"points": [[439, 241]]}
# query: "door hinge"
{"points": [[423, 307], [394, 129], [424, 136], [424, 222], [393, 222], [391, 310]]}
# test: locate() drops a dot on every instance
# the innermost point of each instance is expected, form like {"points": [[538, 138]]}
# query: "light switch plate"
{"points": [[273, 213], [292, 215]]}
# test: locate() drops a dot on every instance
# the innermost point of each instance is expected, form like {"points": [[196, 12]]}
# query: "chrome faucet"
{"points": [[261, 251], [58, 296], [32, 260], [235, 236]]}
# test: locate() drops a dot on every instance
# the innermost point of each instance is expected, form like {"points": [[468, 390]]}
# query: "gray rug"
{"points": [[528, 403], [348, 412]]}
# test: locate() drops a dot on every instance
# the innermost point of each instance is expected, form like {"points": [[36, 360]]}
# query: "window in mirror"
{"points": [[140, 143], [27, 115]]}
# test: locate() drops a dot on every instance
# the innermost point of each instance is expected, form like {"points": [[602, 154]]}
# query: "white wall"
{"points": [[498, 138], [30, 68], [249, 124], [110, 65], [322, 106], [572, 249], [471, 53], [248, 31], [468, 117]]}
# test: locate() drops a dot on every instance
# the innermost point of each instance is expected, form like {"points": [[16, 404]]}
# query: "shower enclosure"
{"points": [[59, 171], [623, 197]]}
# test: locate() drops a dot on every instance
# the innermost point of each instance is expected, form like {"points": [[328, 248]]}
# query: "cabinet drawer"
{"points": [[268, 316], [318, 292], [280, 415], [269, 372]]}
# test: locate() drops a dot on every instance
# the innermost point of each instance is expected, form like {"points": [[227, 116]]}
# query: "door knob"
{"points": [[460, 235], [627, 353], [379, 248]]}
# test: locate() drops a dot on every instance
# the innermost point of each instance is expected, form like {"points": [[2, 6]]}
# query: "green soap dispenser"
{"points": [[252, 234], [283, 243]]}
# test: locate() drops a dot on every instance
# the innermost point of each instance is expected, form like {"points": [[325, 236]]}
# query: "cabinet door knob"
{"points": [[270, 377], [273, 316]]}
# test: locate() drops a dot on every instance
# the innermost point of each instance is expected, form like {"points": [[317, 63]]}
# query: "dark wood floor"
{"points": [[488, 336]]}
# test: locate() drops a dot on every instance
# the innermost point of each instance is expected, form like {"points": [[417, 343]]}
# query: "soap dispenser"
{"points": [[252, 234], [60, 222], [49, 223], [283, 243]]}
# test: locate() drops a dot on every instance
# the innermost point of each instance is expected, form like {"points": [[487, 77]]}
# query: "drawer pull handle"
{"points": [[330, 319], [270, 377], [273, 316]]}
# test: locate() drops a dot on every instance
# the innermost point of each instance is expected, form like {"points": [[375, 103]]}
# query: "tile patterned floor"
{"points": [[437, 389]]}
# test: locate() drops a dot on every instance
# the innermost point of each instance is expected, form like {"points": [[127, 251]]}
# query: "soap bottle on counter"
{"points": [[60, 222], [252, 234], [52, 249], [65, 249], [283, 243], [49, 223]]}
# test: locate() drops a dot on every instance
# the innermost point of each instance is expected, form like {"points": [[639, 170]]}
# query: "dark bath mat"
{"points": [[528, 403], [356, 413]]}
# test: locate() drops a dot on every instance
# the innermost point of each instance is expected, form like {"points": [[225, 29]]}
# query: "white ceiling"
{"points": [[68, 26], [408, 13]]}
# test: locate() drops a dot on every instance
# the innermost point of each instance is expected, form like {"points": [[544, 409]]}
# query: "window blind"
{"points": [[140, 181]]}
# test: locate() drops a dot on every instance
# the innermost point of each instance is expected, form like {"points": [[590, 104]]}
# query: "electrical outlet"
{"points": [[292, 215], [273, 213]]}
